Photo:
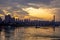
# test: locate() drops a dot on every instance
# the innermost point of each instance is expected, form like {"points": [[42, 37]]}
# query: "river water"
{"points": [[31, 33]]}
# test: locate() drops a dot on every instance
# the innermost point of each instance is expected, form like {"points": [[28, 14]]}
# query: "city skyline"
{"points": [[33, 16], [29, 19], [11, 21]]}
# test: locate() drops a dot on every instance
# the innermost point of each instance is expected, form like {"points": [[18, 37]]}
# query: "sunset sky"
{"points": [[44, 9]]}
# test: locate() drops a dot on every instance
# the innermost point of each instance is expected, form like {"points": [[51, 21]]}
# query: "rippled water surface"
{"points": [[31, 33]]}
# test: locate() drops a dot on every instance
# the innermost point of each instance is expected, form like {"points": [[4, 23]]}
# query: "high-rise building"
{"points": [[7, 18], [0, 19], [53, 18]]}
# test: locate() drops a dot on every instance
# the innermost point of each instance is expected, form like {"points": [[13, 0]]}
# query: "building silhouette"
{"points": [[53, 18], [0, 20], [27, 22]]}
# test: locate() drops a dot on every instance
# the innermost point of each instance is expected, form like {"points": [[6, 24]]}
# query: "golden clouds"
{"points": [[33, 13], [6, 12], [45, 13], [1, 15]]}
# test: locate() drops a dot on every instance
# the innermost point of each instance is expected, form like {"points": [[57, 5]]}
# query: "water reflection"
{"points": [[31, 33]]}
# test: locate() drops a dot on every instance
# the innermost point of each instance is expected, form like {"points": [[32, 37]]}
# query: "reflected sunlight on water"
{"points": [[40, 31], [31, 33]]}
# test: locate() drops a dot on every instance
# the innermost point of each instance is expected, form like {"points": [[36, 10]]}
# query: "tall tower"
{"points": [[53, 22], [53, 18]]}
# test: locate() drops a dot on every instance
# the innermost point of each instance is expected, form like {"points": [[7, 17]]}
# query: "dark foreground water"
{"points": [[31, 33]]}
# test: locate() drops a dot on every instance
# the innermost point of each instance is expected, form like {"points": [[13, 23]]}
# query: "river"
{"points": [[31, 33]]}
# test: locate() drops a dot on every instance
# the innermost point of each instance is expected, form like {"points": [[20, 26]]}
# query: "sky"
{"points": [[43, 9]]}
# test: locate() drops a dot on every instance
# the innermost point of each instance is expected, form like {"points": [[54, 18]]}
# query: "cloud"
{"points": [[45, 13], [24, 2], [19, 4], [41, 1], [1, 12], [55, 3], [31, 3]]}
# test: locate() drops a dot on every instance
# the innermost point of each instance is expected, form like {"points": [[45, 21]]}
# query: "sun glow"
{"points": [[44, 13], [15, 16]]}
